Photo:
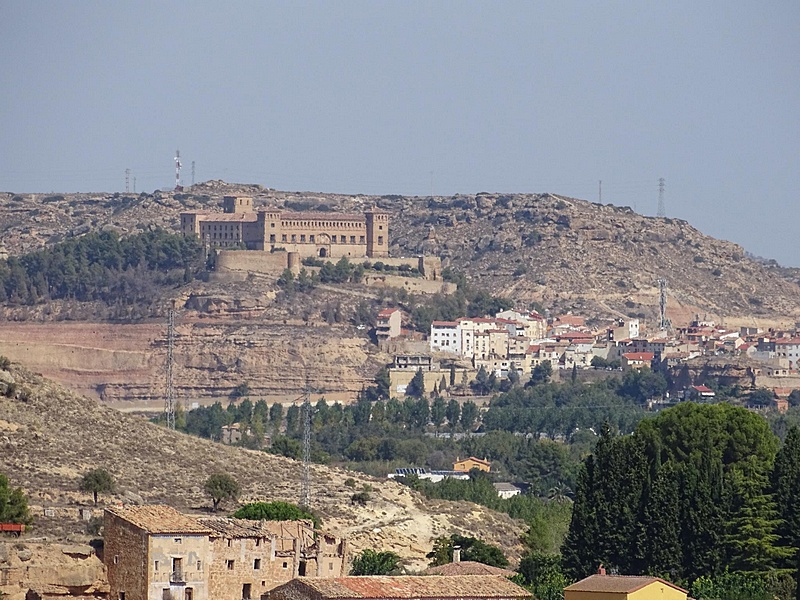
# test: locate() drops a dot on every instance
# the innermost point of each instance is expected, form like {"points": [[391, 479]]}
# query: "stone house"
{"points": [[417, 587], [157, 553], [388, 325]]}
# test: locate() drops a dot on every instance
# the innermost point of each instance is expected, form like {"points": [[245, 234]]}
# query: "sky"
{"points": [[417, 98]]}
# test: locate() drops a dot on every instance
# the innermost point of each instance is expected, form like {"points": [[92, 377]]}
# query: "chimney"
{"points": [[456, 554], [601, 570]]}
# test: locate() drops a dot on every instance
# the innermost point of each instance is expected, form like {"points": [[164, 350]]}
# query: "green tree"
{"points": [[13, 504], [370, 562], [221, 486], [453, 413], [541, 373], [416, 387], [275, 511], [785, 484], [438, 412], [469, 415], [472, 549], [97, 481], [542, 574]]}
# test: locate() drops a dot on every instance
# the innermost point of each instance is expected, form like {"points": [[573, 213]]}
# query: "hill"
{"points": [[563, 253], [51, 436]]}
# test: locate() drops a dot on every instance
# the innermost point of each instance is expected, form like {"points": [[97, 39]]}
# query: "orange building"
{"points": [[466, 465]]}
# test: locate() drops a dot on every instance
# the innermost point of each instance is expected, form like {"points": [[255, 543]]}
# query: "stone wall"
{"points": [[256, 261], [402, 377], [125, 556]]}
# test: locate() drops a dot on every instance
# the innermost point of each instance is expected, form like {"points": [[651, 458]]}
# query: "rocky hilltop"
{"points": [[50, 436], [564, 253]]}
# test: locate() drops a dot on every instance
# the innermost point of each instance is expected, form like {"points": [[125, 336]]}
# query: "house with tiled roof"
{"points": [[155, 552], [467, 464], [636, 360], [623, 587], [405, 587]]}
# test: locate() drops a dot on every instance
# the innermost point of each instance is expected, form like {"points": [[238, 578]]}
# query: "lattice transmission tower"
{"points": [[664, 323], [305, 489], [169, 402]]}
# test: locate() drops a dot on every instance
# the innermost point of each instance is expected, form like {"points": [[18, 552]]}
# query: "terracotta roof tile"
{"points": [[409, 586], [617, 583], [158, 519], [469, 567]]}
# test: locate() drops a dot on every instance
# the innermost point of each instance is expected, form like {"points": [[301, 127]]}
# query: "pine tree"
{"points": [[664, 552], [785, 484]]}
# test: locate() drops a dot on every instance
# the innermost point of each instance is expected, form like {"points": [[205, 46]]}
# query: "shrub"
{"points": [[350, 482], [360, 498]]}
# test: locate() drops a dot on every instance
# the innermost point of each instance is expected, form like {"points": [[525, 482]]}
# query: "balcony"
{"points": [[177, 577]]}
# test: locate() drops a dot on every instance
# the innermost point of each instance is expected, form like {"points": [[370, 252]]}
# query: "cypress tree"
{"points": [[786, 487]]}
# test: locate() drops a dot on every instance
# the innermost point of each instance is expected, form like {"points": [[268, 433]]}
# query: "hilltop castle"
{"points": [[322, 234]]}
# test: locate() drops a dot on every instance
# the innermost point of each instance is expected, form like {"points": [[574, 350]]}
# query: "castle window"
{"points": [[333, 239], [272, 225], [229, 564], [361, 240], [311, 238], [380, 227], [294, 237], [302, 237], [272, 238], [256, 564], [352, 239], [283, 237], [380, 239]]}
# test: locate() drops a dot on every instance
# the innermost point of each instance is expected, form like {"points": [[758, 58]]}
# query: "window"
{"points": [[121, 596], [272, 225], [330, 566], [155, 566], [229, 564], [230, 543], [199, 565], [380, 227], [166, 594], [361, 239], [380, 239], [283, 237], [272, 238], [246, 591], [333, 239], [294, 237], [352, 239], [302, 237], [311, 238], [116, 559], [285, 565], [258, 542], [188, 594], [263, 584], [257, 564]]}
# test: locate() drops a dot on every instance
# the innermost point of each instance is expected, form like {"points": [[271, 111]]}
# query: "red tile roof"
{"points": [[444, 324], [387, 312], [621, 584], [642, 356], [401, 587]]}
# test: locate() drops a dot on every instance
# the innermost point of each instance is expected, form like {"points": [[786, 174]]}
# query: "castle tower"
{"points": [[237, 204], [377, 234]]}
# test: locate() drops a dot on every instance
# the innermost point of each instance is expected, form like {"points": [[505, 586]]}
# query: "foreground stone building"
{"points": [[157, 553], [322, 234]]}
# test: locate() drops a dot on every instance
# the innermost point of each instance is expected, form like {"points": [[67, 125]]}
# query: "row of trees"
{"points": [[694, 491], [101, 266]]}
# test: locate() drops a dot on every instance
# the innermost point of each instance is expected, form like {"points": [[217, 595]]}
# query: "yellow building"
{"points": [[466, 465], [623, 587]]}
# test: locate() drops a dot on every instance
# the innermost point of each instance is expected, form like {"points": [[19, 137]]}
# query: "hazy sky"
{"points": [[409, 97]]}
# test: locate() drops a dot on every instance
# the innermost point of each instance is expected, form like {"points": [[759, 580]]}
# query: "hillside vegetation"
{"points": [[563, 253], [50, 437]]}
